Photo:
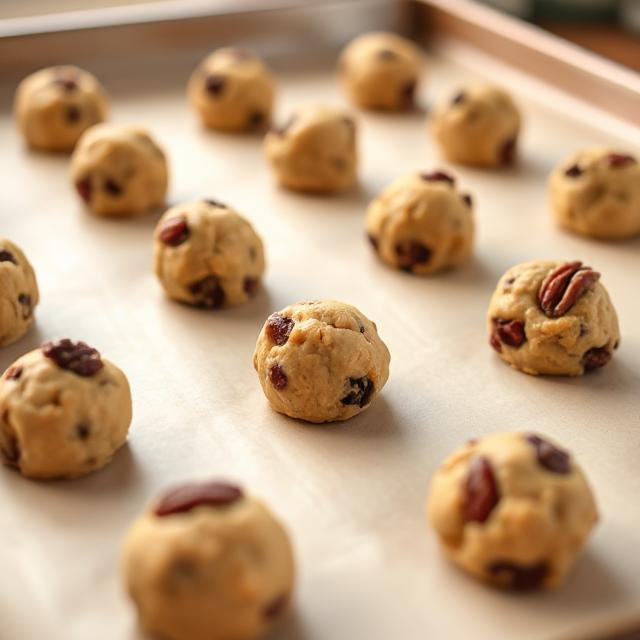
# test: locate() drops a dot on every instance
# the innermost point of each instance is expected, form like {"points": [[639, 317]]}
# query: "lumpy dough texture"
{"points": [[381, 71], [315, 150], [208, 255], [478, 125], [18, 293], [119, 170], [232, 90], [54, 106], [320, 361], [576, 334], [62, 421], [512, 509], [421, 223], [219, 568], [596, 192]]}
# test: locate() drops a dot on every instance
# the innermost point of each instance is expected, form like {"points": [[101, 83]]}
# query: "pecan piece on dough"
{"points": [[563, 286]]}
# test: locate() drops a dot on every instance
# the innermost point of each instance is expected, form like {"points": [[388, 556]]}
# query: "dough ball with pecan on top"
{"points": [[320, 361], [208, 255], [65, 410], [208, 561], [512, 509], [553, 318]]}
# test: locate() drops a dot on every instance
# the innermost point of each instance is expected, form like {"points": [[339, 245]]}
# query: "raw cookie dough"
{"points": [[315, 150], [320, 361], [18, 293], [119, 170], [54, 106], [208, 255], [478, 125], [552, 318], [381, 71], [596, 193], [421, 223], [208, 562], [64, 411], [232, 90], [512, 509]]}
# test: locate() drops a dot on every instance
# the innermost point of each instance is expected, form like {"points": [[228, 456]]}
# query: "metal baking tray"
{"points": [[351, 494]]}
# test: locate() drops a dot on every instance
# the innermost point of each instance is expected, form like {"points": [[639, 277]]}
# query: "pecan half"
{"points": [[563, 286]]}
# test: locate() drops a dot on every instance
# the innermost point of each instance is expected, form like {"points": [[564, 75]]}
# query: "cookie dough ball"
{"points": [[596, 193], [315, 151], [208, 255], [64, 411], [119, 170], [553, 318], [320, 361], [232, 90], [478, 126], [54, 106], [512, 509], [208, 562], [421, 223], [18, 293], [381, 71]]}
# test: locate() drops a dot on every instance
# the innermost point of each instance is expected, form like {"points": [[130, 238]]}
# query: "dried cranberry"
{"points": [[620, 160], [174, 231], [459, 98], [520, 577], [386, 54], [83, 431], [509, 332], [480, 491], [494, 341], [25, 300], [277, 376], [256, 119], [373, 241], [208, 293], [13, 372], [279, 328], [574, 171], [66, 82], [73, 113], [468, 200], [84, 188], [438, 176], [410, 253], [250, 286], [276, 606], [214, 84], [508, 152], [7, 256], [548, 455], [408, 92], [596, 358], [112, 187], [73, 356], [189, 496], [215, 203], [360, 393]]}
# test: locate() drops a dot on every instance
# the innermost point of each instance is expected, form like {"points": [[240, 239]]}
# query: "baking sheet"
{"points": [[351, 494]]}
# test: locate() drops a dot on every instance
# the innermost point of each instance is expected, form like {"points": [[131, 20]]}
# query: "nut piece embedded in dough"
{"points": [[422, 224], [64, 411], [381, 71], [314, 150], [552, 318], [478, 125], [513, 509], [320, 361], [55, 106], [208, 561], [232, 90], [119, 170], [18, 293], [596, 193], [208, 255]]}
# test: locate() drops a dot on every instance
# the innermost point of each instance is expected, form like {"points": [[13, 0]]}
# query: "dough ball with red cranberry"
{"points": [[422, 223], [119, 170], [55, 106], [320, 361]]}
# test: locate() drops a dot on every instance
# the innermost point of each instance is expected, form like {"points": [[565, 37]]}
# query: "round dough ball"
{"points": [[119, 170], [552, 318], [208, 255], [64, 411], [596, 193], [315, 151], [208, 562], [421, 223], [381, 71], [54, 106], [320, 361], [18, 293], [512, 509], [479, 125], [232, 90]]}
